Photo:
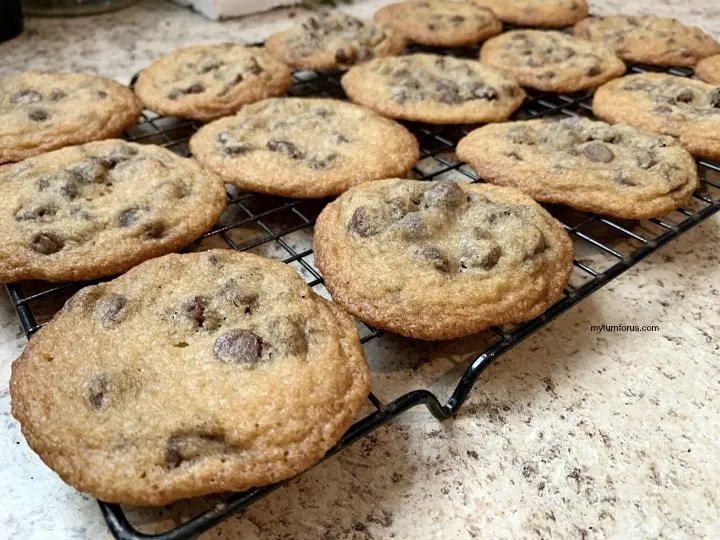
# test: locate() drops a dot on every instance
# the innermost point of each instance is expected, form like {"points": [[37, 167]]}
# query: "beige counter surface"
{"points": [[572, 434]]}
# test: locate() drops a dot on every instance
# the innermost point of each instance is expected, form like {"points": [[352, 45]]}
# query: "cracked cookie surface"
{"points": [[551, 61], [648, 39], [441, 23], [593, 166], [94, 210], [542, 13], [41, 111], [439, 260], [433, 89], [685, 108], [332, 39], [205, 82], [708, 69], [297, 147], [234, 375]]}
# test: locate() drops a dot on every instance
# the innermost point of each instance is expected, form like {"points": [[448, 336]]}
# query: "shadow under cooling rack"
{"points": [[282, 229]]}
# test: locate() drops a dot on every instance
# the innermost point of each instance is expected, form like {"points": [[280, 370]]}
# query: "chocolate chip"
{"points": [[39, 115], [481, 253], [47, 242], [238, 346], [102, 94], [622, 178], [400, 206], [88, 172], [56, 94], [110, 310], [598, 152], [236, 149], [128, 216], [535, 62], [663, 109], [364, 222], [444, 195], [284, 147], [323, 163], [483, 91], [594, 70], [232, 293], [339, 138], [434, 256], [23, 97], [457, 19], [645, 159], [514, 156], [520, 135], [36, 213], [98, 390], [684, 95], [399, 95], [212, 65], [714, 97], [195, 88], [287, 338], [194, 309], [174, 93], [154, 230], [344, 57], [119, 154], [255, 68], [509, 90]]}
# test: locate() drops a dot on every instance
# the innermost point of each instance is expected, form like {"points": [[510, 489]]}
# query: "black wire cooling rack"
{"points": [[282, 228]]}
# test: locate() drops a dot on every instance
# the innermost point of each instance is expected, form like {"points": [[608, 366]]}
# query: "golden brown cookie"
{"points": [[439, 260], [84, 212], [543, 13], [433, 89], [209, 81], [616, 170], [649, 39], [191, 374], [708, 69], [551, 61], [441, 23], [687, 109], [306, 148], [43, 111], [332, 39]]}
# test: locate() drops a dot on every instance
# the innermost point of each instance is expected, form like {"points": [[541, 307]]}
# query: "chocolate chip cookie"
{"points": [[648, 39], [439, 260], [441, 23], [98, 209], [593, 166], [708, 69], [306, 148], [543, 13], [684, 108], [205, 82], [233, 374], [433, 89], [332, 39], [551, 61], [43, 111]]}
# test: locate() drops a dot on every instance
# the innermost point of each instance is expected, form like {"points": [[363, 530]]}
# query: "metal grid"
{"points": [[282, 228]]}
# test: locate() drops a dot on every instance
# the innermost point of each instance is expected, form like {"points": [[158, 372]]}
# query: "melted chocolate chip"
{"points": [[363, 53], [434, 256], [339, 138], [56, 94], [154, 230], [364, 223], [213, 65], [344, 57], [482, 253], [598, 152], [47, 242], [98, 389], [233, 294], [236, 149], [714, 98], [324, 163], [194, 309], [483, 91], [128, 216], [38, 213], [287, 338], [400, 206], [645, 159], [413, 226], [255, 68], [444, 195], [112, 308], [195, 88], [622, 178], [102, 94], [238, 346], [457, 19], [23, 97], [663, 109], [594, 70], [284, 147], [39, 115], [684, 95]]}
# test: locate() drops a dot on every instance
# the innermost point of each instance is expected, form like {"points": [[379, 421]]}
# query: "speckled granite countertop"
{"points": [[572, 434]]}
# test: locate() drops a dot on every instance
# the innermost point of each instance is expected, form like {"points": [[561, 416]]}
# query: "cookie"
{"points": [[439, 260], [708, 69], [684, 108], [592, 166], [307, 148], [541, 13], [205, 82], [98, 209], [334, 40], [433, 89], [40, 112], [648, 39], [551, 61], [233, 375], [441, 23]]}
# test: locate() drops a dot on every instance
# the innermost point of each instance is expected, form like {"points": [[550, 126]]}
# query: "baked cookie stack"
{"points": [[219, 371]]}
